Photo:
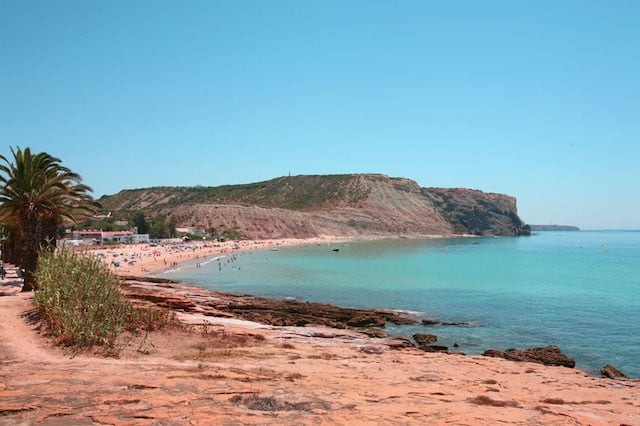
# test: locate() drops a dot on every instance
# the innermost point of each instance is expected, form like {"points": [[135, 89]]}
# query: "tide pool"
{"points": [[577, 290]]}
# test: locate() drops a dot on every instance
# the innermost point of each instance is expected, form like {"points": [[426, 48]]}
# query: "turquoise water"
{"points": [[578, 290]]}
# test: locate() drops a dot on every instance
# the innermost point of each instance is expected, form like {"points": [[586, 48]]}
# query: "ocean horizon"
{"points": [[578, 290]]}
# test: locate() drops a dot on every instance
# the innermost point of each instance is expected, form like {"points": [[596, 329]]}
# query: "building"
{"points": [[99, 237]]}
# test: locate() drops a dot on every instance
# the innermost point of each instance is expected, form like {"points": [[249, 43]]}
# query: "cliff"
{"points": [[339, 205]]}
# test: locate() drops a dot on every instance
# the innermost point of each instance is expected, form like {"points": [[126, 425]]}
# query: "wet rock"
{"points": [[613, 373], [429, 322], [548, 355], [400, 343], [424, 338], [162, 299], [495, 353], [379, 334], [170, 295], [154, 280], [433, 348], [365, 320]]}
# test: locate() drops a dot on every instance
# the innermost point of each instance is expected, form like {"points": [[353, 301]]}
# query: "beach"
{"points": [[148, 258], [224, 370]]}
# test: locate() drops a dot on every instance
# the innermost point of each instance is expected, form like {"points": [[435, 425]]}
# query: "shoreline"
{"points": [[168, 257], [150, 258], [221, 369], [260, 311]]}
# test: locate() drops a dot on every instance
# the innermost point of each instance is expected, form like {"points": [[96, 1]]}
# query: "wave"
{"points": [[213, 259]]}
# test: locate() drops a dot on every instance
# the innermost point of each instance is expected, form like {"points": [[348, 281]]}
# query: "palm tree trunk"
{"points": [[30, 245]]}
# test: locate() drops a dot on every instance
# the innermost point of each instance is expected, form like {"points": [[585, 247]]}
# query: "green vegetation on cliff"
{"points": [[292, 192]]}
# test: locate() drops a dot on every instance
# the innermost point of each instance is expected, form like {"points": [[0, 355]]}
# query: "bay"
{"points": [[578, 290]]}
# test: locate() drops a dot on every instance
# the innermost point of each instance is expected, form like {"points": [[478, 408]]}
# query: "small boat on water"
{"points": [[335, 249]]}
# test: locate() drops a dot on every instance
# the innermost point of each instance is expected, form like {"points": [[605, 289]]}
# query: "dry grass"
{"points": [[485, 400], [325, 355], [217, 345], [560, 401], [269, 403], [554, 401]]}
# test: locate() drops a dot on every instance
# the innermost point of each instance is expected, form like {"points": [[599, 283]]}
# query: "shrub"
{"points": [[80, 301]]}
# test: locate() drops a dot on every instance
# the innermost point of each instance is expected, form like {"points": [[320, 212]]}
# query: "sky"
{"points": [[539, 99]]}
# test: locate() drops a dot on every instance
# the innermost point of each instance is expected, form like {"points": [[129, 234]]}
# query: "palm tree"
{"points": [[37, 195]]}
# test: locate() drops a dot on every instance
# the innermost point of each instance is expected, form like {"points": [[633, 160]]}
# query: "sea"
{"points": [[578, 290]]}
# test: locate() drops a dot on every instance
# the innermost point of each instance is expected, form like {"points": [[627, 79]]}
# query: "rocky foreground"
{"points": [[218, 368]]}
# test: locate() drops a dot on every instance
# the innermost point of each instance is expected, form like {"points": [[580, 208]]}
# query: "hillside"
{"points": [[338, 205]]}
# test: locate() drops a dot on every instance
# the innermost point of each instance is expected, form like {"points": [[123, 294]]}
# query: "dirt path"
{"points": [[228, 373]]}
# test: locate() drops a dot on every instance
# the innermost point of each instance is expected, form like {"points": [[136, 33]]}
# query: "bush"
{"points": [[232, 234], [80, 301]]}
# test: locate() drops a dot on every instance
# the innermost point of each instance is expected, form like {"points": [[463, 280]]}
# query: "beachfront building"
{"points": [[98, 237]]}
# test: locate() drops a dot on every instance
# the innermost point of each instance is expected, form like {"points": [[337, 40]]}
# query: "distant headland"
{"points": [[554, 228]]}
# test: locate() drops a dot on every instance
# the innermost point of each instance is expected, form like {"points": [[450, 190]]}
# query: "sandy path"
{"points": [[287, 377]]}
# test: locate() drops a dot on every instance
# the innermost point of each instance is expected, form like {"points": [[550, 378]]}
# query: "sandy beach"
{"points": [[142, 259], [225, 370]]}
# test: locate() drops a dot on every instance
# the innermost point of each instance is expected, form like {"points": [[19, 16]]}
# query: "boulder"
{"points": [[424, 338], [613, 373], [430, 322], [548, 355]]}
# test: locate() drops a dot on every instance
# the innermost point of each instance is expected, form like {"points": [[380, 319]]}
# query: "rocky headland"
{"points": [[359, 205], [538, 228]]}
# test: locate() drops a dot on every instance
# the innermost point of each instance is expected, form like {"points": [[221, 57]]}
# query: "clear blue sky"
{"points": [[540, 100]]}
